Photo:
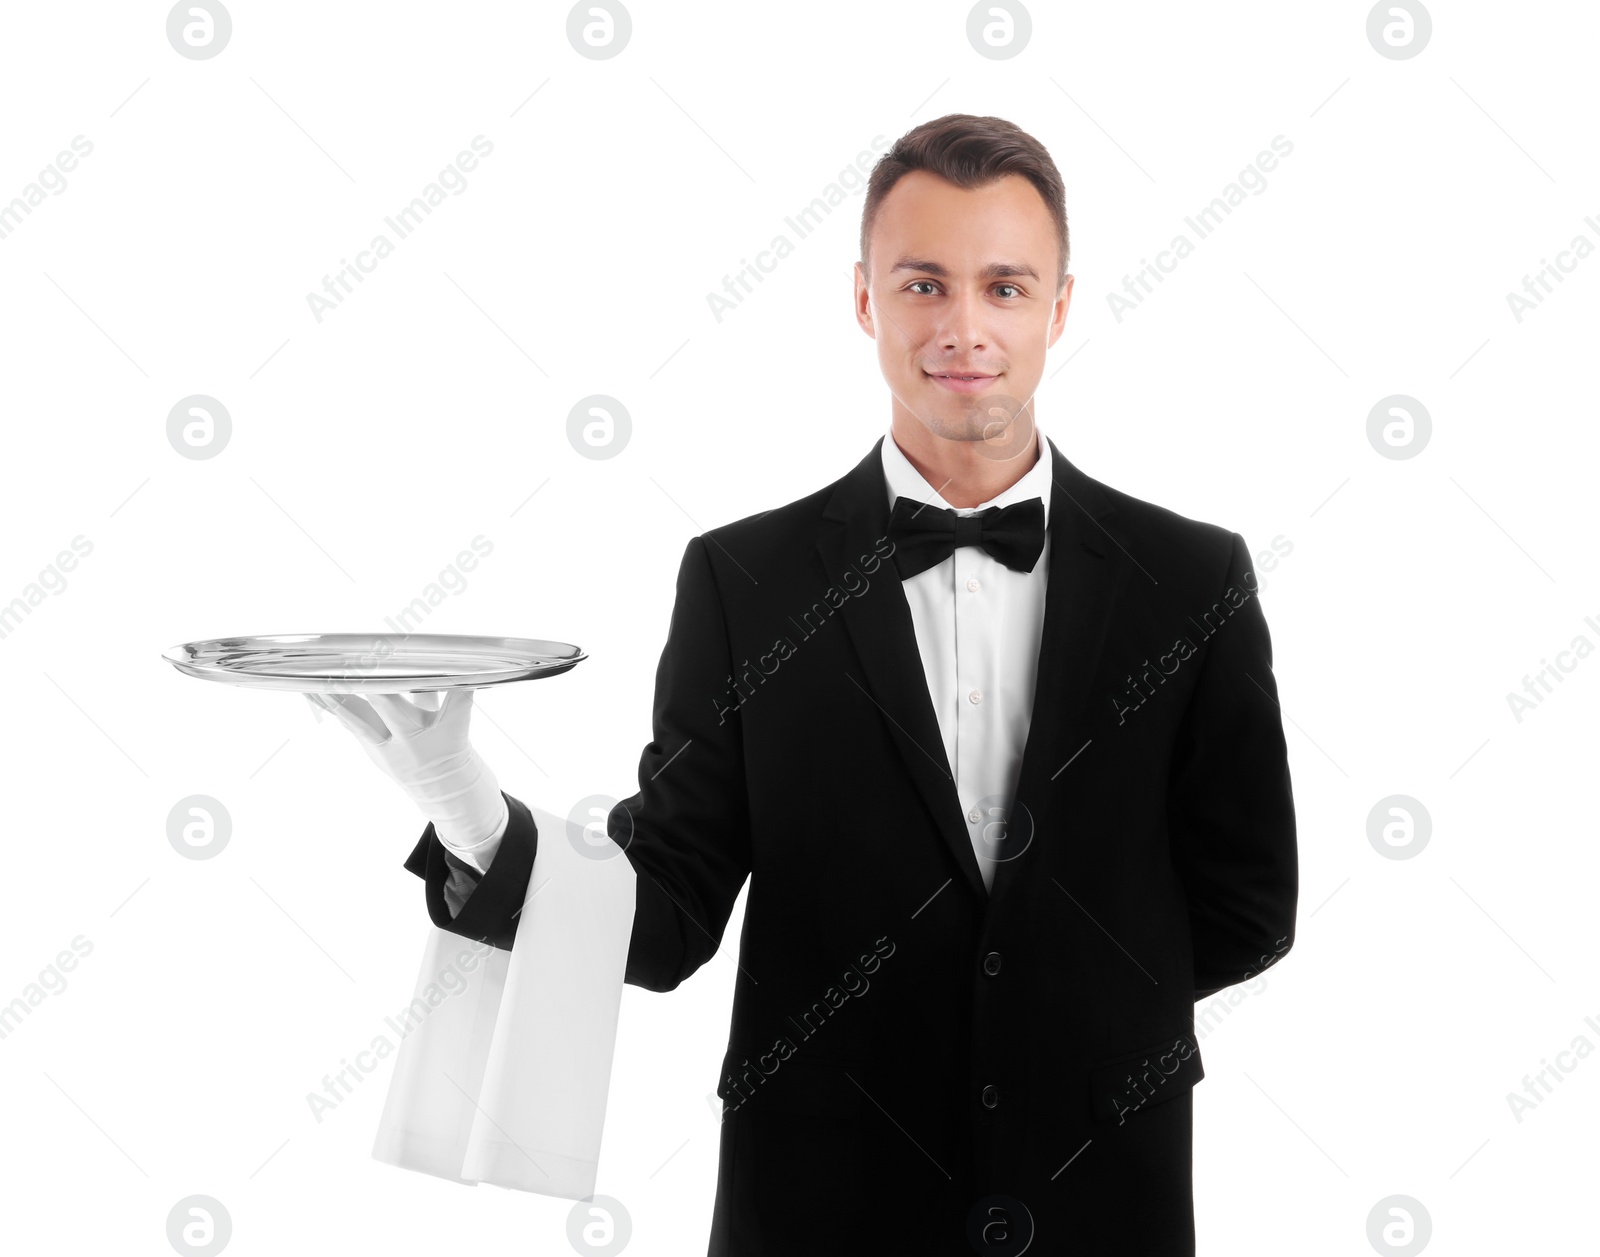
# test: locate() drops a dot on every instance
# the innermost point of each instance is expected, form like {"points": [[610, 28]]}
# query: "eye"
{"points": [[1013, 287], [915, 282]]}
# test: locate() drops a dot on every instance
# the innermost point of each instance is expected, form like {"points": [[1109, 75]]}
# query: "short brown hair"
{"points": [[970, 152]]}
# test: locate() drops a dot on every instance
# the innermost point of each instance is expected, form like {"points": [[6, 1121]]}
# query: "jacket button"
{"points": [[991, 963], [991, 1096]]}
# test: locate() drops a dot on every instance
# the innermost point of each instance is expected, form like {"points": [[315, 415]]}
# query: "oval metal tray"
{"points": [[372, 663]]}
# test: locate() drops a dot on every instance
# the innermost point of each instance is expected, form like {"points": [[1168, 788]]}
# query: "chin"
{"points": [[960, 419]]}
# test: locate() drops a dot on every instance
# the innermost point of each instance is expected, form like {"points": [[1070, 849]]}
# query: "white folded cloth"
{"points": [[504, 1081]]}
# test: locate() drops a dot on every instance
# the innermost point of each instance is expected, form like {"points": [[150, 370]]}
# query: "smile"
{"points": [[961, 382]]}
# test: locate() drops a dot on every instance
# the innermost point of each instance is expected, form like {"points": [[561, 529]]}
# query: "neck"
{"points": [[968, 472]]}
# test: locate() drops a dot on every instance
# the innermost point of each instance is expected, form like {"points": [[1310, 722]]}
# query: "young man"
{"points": [[980, 730]]}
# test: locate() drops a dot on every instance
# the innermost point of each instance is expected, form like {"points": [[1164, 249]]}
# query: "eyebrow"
{"points": [[995, 270]]}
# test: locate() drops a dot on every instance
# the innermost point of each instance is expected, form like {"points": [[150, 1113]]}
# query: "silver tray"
{"points": [[372, 663]]}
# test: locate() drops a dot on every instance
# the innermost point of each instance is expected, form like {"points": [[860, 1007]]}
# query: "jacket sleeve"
{"points": [[686, 832], [480, 906], [1230, 809]]}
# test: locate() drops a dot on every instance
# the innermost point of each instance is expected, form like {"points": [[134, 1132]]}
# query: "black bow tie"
{"points": [[924, 535]]}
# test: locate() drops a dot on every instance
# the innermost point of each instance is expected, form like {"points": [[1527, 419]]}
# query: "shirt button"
{"points": [[991, 1096], [974, 816], [975, 697], [973, 584], [991, 963]]}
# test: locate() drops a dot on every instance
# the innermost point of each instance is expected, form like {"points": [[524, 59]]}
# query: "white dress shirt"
{"points": [[978, 625]]}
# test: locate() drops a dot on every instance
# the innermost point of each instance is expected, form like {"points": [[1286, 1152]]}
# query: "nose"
{"points": [[963, 330]]}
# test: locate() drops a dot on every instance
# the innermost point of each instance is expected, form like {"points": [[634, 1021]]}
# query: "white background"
{"points": [[431, 405]]}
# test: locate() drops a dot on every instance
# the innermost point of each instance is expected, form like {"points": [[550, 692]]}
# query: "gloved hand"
{"points": [[424, 747]]}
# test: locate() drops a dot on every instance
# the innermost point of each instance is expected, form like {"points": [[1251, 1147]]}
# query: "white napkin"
{"points": [[503, 1078]]}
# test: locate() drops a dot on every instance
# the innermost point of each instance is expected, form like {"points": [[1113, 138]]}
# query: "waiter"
{"points": [[998, 738]]}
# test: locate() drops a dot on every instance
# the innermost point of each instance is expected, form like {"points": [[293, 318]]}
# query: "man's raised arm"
{"points": [[686, 832]]}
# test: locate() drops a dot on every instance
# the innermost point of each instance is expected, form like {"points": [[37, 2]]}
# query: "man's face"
{"points": [[962, 283]]}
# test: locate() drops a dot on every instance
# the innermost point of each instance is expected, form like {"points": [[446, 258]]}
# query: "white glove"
{"points": [[424, 747]]}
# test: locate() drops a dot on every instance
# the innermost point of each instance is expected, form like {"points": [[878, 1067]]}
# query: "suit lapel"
{"points": [[1078, 599], [1086, 574], [880, 627]]}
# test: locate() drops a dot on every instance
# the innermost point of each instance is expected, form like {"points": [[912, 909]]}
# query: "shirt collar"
{"points": [[904, 480]]}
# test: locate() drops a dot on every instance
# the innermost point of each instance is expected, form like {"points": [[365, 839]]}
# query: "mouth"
{"points": [[962, 381]]}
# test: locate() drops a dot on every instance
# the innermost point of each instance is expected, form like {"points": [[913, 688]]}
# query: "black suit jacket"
{"points": [[911, 1057]]}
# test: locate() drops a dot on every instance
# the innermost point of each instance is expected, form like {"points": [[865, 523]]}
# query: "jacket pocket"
{"points": [[1120, 1087]]}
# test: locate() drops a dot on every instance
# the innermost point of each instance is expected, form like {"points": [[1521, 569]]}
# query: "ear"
{"points": [[1058, 313], [863, 301]]}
